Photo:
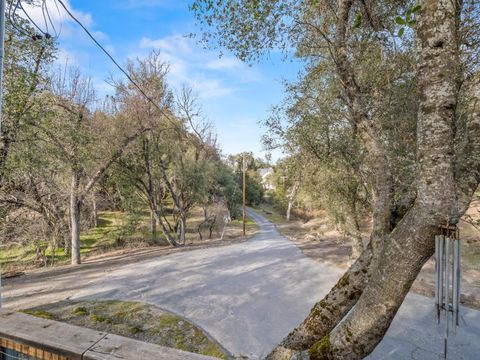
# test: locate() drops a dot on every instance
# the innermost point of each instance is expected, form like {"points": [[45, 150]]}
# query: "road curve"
{"points": [[247, 296]]}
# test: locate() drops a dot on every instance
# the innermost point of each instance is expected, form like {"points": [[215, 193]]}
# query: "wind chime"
{"points": [[447, 277]]}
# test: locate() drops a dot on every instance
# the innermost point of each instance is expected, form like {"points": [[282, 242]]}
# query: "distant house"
{"points": [[266, 175]]}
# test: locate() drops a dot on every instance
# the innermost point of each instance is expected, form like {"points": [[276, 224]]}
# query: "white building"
{"points": [[266, 175]]}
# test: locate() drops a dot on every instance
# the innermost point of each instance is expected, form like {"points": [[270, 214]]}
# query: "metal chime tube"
{"points": [[459, 278], [454, 284], [441, 244], [447, 278], [456, 280], [447, 287], [438, 284]]}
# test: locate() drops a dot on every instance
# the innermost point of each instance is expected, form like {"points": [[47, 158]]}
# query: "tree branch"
{"points": [[104, 167]]}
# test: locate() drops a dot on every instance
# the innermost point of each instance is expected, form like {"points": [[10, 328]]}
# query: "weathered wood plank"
{"points": [[51, 336], [48, 339], [114, 347]]}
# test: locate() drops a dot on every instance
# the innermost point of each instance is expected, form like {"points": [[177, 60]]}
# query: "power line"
{"points": [[134, 83], [16, 10]]}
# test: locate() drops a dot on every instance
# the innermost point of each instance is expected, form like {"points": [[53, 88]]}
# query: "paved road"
{"points": [[248, 296]]}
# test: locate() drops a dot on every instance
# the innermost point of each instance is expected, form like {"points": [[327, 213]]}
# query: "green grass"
{"points": [[271, 214], [248, 223], [81, 310], [114, 229], [40, 313]]}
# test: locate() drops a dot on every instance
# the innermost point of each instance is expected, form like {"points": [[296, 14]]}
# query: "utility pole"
{"points": [[2, 54], [244, 170]]}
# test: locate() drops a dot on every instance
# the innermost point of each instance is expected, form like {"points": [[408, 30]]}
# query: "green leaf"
{"points": [[416, 8], [401, 31], [358, 21], [399, 20], [408, 15], [412, 22]]}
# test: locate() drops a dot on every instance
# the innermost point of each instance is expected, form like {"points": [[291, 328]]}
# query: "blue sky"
{"points": [[234, 95]]}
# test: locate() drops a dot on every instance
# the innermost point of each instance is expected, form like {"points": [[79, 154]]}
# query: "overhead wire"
{"points": [[30, 19], [16, 10], [115, 62], [12, 9], [14, 13], [44, 13]]}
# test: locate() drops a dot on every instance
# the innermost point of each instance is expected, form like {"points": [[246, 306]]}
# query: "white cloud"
{"points": [[172, 44], [209, 75], [224, 63], [211, 88], [65, 58], [133, 4]]}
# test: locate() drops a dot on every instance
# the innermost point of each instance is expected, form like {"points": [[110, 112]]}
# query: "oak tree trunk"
{"points": [[291, 199], [163, 227], [446, 181], [357, 245], [328, 312], [75, 207], [411, 243], [289, 210], [182, 228], [94, 211], [153, 226]]}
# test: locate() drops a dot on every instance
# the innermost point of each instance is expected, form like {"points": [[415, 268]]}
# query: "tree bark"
{"points": [[75, 207], [357, 245], [153, 226], [341, 299], [165, 231], [182, 228], [468, 156], [354, 231], [328, 312], [152, 199], [289, 209], [411, 243], [291, 199], [94, 211], [367, 130]]}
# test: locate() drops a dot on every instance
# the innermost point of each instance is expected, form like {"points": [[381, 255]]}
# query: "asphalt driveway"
{"points": [[247, 296]]}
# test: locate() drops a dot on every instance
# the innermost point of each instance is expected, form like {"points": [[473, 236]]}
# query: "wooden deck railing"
{"points": [[27, 337]]}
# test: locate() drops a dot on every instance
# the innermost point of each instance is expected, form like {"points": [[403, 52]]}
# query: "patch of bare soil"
{"points": [[330, 247], [134, 320], [319, 240]]}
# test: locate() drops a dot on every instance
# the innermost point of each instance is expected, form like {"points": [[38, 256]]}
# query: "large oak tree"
{"points": [[446, 152]]}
